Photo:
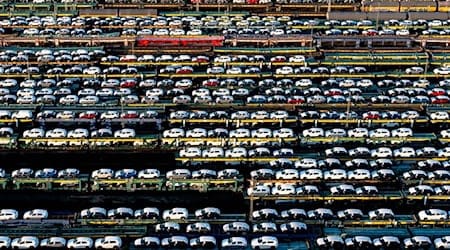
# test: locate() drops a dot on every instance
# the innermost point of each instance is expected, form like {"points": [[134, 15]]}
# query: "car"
{"points": [[22, 173], [421, 190], [402, 132], [265, 214], [350, 214], [359, 151], [330, 242], [335, 174], [175, 214], [8, 214], [35, 214], [213, 152], [442, 242], [387, 242], [343, 189], [258, 190], [293, 214], [236, 227], [442, 70], [336, 151], [313, 132], [293, 227], [381, 214], [103, 173], [287, 174], [167, 227], [179, 173], [147, 242], [207, 213], [53, 242], [175, 242], [264, 242], [440, 115], [203, 242], [25, 242], [265, 227], [417, 242], [367, 190], [174, 133], [404, 152], [358, 242], [34, 133], [147, 213], [93, 213], [359, 174], [46, 173], [357, 163], [283, 189], [198, 227], [120, 213], [234, 242], [5, 242], [320, 214], [415, 174], [433, 214], [381, 152]]}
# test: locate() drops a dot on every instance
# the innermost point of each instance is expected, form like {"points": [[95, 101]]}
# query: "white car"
{"points": [[174, 133], [433, 214], [313, 132], [234, 242], [335, 174], [404, 152], [176, 213], [25, 242], [108, 242], [80, 243], [5, 242], [381, 152], [35, 214], [440, 115], [190, 152], [379, 133], [264, 242], [287, 174], [8, 214], [103, 173], [359, 174], [402, 132], [213, 152], [283, 189], [258, 190], [442, 70], [53, 242], [442, 242]]}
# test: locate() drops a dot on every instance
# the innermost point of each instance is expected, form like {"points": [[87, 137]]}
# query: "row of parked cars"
{"points": [[115, 242], [282, 25], [383, 242], [126, 173]]}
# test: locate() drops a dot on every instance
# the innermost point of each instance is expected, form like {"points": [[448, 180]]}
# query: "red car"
{"points": [[185, 70], [129, 114], [371, 115], [200, 59], [210, 83], [88, 115], [333, 92], [129, 83], [442, 99], [296, 100], [437, 92]]}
